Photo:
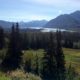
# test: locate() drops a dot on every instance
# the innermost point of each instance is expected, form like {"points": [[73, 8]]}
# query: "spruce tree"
{"points": [[13, 56], [49, 63], [59, 58], [25, 41]]}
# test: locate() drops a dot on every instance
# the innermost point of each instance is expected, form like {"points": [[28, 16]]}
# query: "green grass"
{"points": [[4, 77], [72, 56]]}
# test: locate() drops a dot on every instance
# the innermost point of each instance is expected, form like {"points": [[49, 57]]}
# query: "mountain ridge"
{"points": [[34, 23], [65, 21]]}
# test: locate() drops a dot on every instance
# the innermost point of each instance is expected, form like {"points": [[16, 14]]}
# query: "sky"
{"points": [[26, 10]]}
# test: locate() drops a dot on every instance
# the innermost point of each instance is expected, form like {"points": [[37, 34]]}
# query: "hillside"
{"points": [[66, 21], [76, 15], [5, 24]]}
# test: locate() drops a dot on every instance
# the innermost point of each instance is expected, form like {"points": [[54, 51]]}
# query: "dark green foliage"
{"points": [[25, 41], [53, 60], [34, 42], [38, 40], [60, 62], [13, 56], [68, 43], [70, 38], [49, 64], [1, 38]]}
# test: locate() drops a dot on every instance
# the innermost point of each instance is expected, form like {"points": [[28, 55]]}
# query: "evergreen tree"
{"points": [[49, 63], [68, 43], [25, 41], [1, 38], [59, 58], [13, 57], [18, 38]]}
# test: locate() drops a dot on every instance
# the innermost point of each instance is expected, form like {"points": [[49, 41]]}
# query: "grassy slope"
{"points": [[71, 56]]}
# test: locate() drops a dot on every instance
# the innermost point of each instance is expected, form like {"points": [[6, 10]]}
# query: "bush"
{"points": [[20, 75]]}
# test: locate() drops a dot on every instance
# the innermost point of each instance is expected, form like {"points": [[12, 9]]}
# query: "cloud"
{"points": [[60, 11]]}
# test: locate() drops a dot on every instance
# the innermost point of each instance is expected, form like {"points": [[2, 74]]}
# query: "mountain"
{"points": [[37, 23], [76, 15], [66, 21], [5, 24]]}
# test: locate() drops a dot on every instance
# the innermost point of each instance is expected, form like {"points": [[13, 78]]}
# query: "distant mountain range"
{"points": [[5, 24], [66, 21], [36, 23]]}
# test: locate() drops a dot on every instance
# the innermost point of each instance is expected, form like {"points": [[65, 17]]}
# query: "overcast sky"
{"points": [[26, 10]]}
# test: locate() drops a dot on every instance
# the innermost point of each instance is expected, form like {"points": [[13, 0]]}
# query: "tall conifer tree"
{"points": [[13, 57], [59, 58], [49, 63]]}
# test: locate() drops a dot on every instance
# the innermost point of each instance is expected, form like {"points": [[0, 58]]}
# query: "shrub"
{"points": [[21, 75]]}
